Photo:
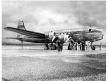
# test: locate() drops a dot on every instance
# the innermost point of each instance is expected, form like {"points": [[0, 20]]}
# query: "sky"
{"points": [[42, 16]]}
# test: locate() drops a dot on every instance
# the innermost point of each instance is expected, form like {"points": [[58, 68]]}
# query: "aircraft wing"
{"points": [[26, 32], [34, 40]]}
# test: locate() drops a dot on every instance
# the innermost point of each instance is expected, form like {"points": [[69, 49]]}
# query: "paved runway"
{"points": [[37, 65]]}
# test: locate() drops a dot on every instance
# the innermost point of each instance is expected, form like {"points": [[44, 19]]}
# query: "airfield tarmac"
{"points": [[36, 64]]}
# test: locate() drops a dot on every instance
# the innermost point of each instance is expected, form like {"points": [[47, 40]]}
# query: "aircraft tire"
{"points": [[93, 47]]}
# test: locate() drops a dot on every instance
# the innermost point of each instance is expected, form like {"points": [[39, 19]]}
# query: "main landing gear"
{"points": [[58, 45], [92, 46], [50, 46]]}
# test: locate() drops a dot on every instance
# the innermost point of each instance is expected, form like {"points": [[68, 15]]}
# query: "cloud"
{"points": [[47, 15], [92, 13]]}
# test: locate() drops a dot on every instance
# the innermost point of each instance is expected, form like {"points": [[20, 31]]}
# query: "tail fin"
{"points": [[21, 26]]}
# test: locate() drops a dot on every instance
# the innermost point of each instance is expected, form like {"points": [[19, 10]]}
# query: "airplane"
{"points": [[79, 37]]}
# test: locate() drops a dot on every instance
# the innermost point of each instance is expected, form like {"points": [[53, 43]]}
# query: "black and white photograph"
{"points": [[53, 40]]}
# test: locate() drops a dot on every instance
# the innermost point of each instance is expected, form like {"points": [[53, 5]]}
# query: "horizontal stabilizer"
{"points": [[26, 32]]}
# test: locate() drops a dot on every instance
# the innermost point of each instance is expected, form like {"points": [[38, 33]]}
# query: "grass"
{"points": [[99, 77], [100, 56]]}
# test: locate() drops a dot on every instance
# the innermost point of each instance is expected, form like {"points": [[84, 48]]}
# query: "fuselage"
{"points": [[79, 36]]}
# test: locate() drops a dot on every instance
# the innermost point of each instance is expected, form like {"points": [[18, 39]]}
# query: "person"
{"points": [[69, 47], [51, 35], [89, 45], [55, 38], [76, 46], [100, 46], [80, 46], [60, 45], [46, 46], [86, 45], [71, 44], [66, 37], [61, 36], [83, 45]]}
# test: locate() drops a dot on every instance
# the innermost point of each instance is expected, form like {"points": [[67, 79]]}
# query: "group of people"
{"points": [[80, 46], [59, 39]]}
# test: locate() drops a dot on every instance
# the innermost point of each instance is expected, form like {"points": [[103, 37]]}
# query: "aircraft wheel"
{"points": [[93, 47]]}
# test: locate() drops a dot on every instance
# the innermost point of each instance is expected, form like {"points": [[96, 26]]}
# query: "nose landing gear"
{"points": [[93, 47]]}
